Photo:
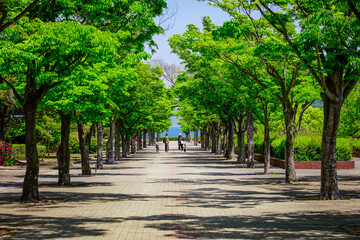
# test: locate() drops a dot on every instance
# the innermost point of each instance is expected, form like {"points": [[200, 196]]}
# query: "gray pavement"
{"points": [[177, 195]]}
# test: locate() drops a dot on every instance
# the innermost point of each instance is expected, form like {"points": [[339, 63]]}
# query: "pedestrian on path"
{"points": [[157, 147], [180, 142], [166, 141]]}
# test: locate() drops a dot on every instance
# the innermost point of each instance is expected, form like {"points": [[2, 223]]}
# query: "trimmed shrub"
{"points": [[306, 148], [6, 158], [343, 149], [277, 147], [355, 144], [19, 151], [170, 138]]}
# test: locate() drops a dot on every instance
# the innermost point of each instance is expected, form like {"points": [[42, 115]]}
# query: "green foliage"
{"points": [[312, 122], [48, 130], [344, 149], [306, 148], [355, 143], [16, 131], [277, 146], [74, 143], [93, 146], [20, 149], [350, 115], [170, 139]]}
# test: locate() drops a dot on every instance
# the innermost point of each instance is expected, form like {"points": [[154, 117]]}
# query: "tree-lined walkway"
{"points": [[177, 195]]}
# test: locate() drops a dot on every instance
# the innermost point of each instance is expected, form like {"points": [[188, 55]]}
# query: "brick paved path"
{"points": [[176, 195]]}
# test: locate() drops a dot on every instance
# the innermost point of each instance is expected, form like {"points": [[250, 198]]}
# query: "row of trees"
{"points": [[81, 61], [272, 56]]}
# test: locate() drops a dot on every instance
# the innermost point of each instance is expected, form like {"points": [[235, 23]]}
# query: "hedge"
{"points": [[306, 148], [170, 139], [355, 144], [18, 151]]}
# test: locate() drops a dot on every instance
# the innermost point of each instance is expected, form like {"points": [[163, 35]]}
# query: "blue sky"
{"points": [[189, 12]]}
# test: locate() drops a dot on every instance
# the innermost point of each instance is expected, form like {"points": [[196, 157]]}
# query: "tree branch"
{"points": [[353, 9], [3, 26], [17, 95]]}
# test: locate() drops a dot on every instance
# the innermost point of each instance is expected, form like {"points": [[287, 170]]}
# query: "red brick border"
{"points": [[305, 164]]}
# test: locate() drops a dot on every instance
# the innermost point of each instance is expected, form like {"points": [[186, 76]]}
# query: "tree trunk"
{"points": [[150, 138], [3, 120], [133, 146], [241, 143], [213, 140], [230, 151], [139, 145], [84, 141], [196, 137], [289, 117], [30, 187], [117, 140], [290, 172], [266, 144], [100, 145], [128, 143], [202, 139], [110, 144], [329, 181], [250, 139], [158, 137], [225, 142], [219, 141], [207, 139], [144, 139], [124, 146], [63, 154]]}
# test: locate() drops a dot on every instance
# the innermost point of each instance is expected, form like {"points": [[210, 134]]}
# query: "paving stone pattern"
{"points": [[177, 195]]}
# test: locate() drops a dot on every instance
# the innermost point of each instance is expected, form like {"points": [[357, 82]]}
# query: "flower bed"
{"points": [[305, 164], [6, 158]]}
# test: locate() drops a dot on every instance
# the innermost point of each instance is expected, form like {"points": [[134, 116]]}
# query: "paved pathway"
{"points": [[177, 195]]}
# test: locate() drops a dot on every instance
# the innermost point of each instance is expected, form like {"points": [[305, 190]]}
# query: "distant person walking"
{"points": [[157, 147], [180, 142], [166, 141]]}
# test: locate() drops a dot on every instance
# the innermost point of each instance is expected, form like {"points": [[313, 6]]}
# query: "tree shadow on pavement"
{"points": [[39, 227], [304, 225]]}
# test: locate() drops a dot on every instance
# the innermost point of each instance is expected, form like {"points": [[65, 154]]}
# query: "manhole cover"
{"points": [[6, 232], [354, 229]]}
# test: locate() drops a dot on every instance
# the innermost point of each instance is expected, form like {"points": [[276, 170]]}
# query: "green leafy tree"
{"points": [[328, 45], [323, 36], [350, 115], [45, 58], [12, 11]]}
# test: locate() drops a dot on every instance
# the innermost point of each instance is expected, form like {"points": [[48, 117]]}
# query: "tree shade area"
{"points": [[279, 78], [262, 71], [77, 66]]}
